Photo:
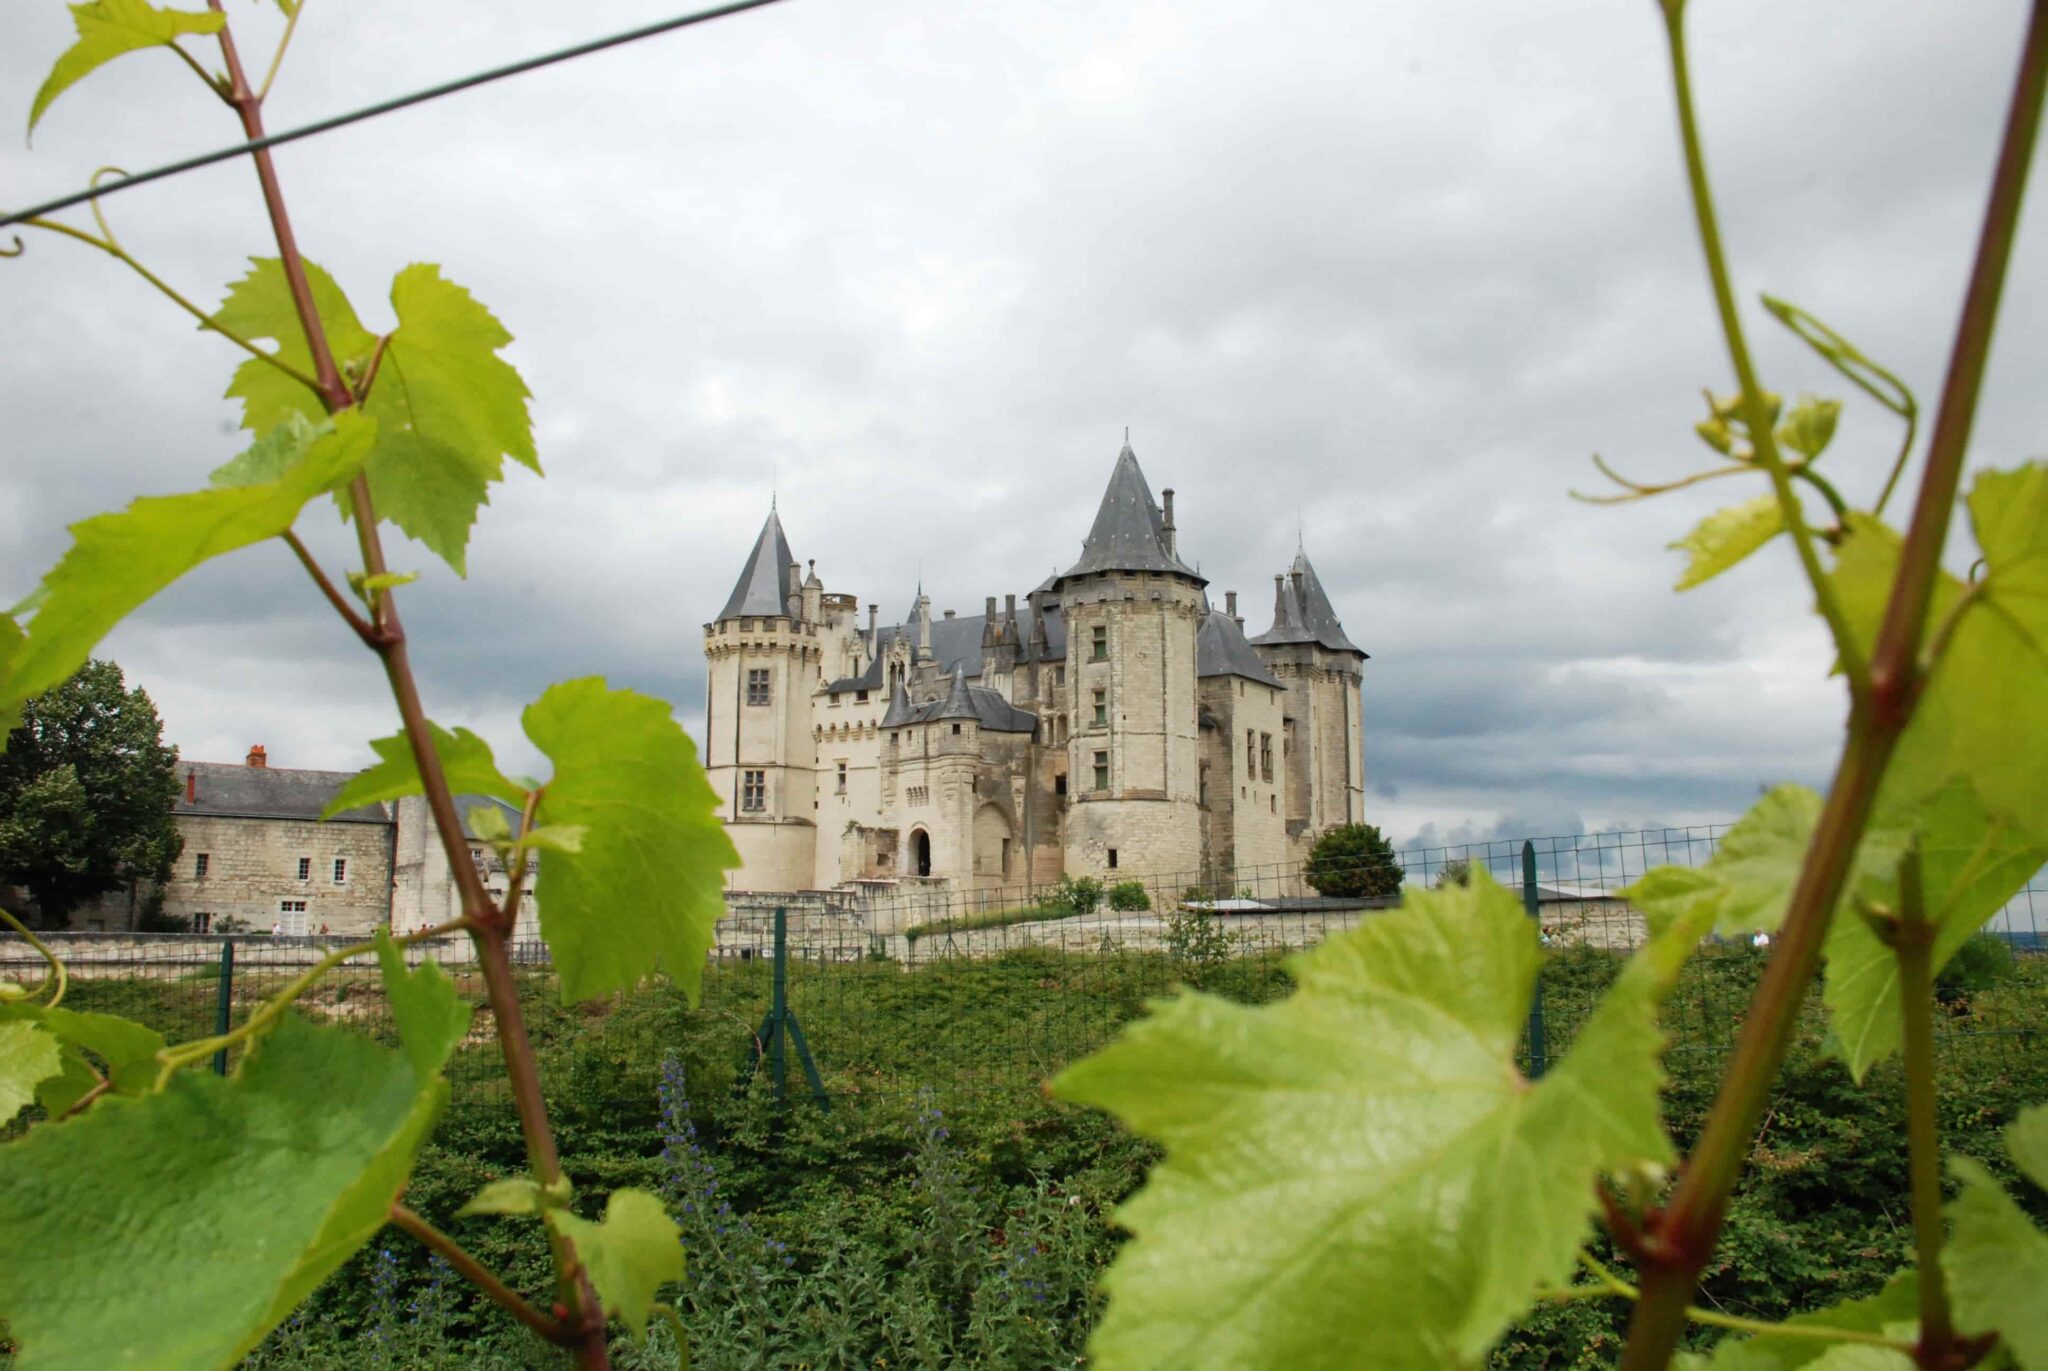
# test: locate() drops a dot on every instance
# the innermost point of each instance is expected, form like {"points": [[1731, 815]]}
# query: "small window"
{"points": [[754, 791], [757, 685], [842, 778], [1266, 756], [305, 868], [1059, 674], [1059, 784], [956, 728], [341, 871], [1102, 709], [1273, 804], [1099, 640], [1102, 771], [1006, 856], [1251, 752], [1112, 859], [202, 923], [860, 697], [199, 867]]}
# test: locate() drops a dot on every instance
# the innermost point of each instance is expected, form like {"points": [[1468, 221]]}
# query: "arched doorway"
{"points": [[921, 851]]}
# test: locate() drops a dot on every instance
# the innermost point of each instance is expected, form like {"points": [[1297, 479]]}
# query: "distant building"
{"points": [[257, 852], [1113, 724]]}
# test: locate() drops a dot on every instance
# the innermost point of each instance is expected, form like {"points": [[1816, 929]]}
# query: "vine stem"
{"points": [[481, 915], [1914, 948], [1756, 416], [363, 627], [1684, 1235], [56, 971], [482, 1277]]}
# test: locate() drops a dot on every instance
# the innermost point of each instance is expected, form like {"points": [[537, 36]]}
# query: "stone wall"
{"points": [[252, 872]]}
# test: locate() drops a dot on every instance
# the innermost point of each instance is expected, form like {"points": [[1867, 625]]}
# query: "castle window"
{"points": [[1059, 784], [1112, 859], [1059, 674], [305, 868], [842, 778], [832, 699], [1273, 804], [202, 923], [956, 728], [199, 867], [754, 791], [341, 871], [1099, 640], [1102, 771], [1251, 752], [1266, 756], [1101, 709], [860, 697], [757, 685]]}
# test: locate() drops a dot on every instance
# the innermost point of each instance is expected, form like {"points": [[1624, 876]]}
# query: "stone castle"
{"points": [[1113, 724]]}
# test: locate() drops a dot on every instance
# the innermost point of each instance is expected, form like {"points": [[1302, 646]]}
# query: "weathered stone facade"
{"points": [[1111, 724]]}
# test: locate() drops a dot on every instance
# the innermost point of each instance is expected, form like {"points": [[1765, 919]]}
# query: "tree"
{"points": [[1457, 871], [1354, 861], [86, 787]]}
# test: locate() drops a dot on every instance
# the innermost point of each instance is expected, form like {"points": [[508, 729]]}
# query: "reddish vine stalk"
{"points": [[489, 929], [1681, 1239]]}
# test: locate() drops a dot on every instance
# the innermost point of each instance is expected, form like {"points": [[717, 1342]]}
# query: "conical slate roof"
{"points": [[1129, 532], [958, 704], [1305, 615], [764, 586], [1221, 650]]}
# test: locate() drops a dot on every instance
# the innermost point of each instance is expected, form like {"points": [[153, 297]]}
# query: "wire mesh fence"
{"points": [[1000, 988]]}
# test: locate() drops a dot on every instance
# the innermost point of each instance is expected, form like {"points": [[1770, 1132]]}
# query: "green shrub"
{"points": [[1354, 861], [1128, 896], [1080, 894]]}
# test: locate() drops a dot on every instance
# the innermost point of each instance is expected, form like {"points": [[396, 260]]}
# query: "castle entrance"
{"points": [[921, 851]]}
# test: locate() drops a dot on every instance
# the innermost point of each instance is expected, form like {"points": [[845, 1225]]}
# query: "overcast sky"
{"points": [[1388, 273]]}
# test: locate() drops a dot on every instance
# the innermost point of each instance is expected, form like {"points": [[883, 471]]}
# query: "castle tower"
{"points": [[1324, 671], [764, 656], [1132, 610]]}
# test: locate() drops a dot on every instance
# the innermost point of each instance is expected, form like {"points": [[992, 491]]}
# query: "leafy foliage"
{"points": [[466, 761], [1353, 861], [1726, 537], [86, 786], [110, 28], [630, 1254], [1334, 1160], [647, 884], [1997, 1260]]}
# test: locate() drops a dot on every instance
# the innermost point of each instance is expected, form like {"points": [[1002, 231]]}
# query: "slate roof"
{"points": [[1129, 532], [961, 701], [234, 790], [956, 643], [1306, 616], [765, 585], [1221, 650]]}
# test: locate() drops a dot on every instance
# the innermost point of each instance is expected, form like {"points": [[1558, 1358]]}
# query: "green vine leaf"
{"points": [[238, 1195], [118, 561], [1996, 1259], [518, 1195], [646, 885], [28, 1057], [260, 306], [630, 1255], [1979, 717], [1747, 883], [465, 759], [11, 639], [1892, 1311], [1726, 537], [1810, 427], [125, 1048], [111, 28], [1337, 1163], [1970, 865]]}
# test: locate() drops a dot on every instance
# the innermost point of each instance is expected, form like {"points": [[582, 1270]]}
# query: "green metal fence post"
{"points": [[778, 1067], [1537, 1062], [224, 1002]]}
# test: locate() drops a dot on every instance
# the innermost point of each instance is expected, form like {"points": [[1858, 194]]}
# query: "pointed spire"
{"points": [[959, 704], [1222, 650], [1129, 533], [1302, 612], [765, 583], [898, 712]]}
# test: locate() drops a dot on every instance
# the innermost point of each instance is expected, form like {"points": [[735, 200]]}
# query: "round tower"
{"points": [[764, 653], [1132, 610]]}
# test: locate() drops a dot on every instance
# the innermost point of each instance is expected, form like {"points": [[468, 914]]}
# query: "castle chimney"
{"points": [[1009, 609], [257, 756], [1169, 530], [949, 614], [1230, 606], [191, 787], [874, 633], [988, 622]]}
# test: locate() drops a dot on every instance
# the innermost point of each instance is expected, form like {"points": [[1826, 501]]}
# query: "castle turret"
{"points": [[1132, 609], [1308, 650], [764, 656]]}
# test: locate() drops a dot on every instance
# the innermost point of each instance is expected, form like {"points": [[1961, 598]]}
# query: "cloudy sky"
{"points": [[1388, 273]]}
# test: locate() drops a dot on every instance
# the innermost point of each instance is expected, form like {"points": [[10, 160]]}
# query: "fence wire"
{"points": [[999, 989]]}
